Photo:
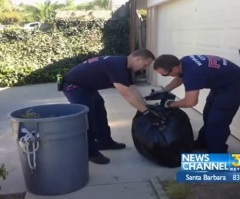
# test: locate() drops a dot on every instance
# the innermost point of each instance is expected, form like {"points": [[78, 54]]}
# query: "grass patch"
{"points": [[175, 190]]}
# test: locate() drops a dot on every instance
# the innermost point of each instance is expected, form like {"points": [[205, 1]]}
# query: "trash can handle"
{"points": [[30, 138]]}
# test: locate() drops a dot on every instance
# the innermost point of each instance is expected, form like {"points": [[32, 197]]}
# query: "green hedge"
{"points": [[30, 57]]}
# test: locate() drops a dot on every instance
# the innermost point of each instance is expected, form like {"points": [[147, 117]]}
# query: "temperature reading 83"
{"points": [[236, 177]]}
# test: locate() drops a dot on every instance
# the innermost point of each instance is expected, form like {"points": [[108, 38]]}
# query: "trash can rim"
{"points": [[48, 119]]}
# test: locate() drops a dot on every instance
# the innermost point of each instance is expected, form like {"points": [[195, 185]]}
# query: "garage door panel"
{"points": [[209, 7], [233, 9], [184, 37], [233, 39], [209, 38]]}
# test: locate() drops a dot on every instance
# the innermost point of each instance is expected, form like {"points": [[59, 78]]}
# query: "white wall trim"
{"points": [[152, 3]]}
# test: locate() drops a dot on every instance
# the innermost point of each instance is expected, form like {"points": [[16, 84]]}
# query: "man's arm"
{"points": [[131, 97], [137, 93], [176, 82], [190, 100]]}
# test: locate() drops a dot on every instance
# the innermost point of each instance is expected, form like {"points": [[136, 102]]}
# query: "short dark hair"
{"points": [[166, 62], [145, 53]]}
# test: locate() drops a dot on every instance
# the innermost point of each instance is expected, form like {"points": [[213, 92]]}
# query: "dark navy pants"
{"points": [[99, 129], [219, 111]]}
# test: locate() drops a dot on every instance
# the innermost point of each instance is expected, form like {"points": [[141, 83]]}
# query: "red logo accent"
{"points": [[93, 60], [213, 61]]}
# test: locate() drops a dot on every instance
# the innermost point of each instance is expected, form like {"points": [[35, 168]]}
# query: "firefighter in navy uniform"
{"points": [[81, 85], [198, 72]]}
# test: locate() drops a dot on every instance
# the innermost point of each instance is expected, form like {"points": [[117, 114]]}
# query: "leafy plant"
{"points": [[96, 4], [143, 13], [30, 114], [11, 17], [3, 172], [70, 5], [44, 12], [5, 5]]}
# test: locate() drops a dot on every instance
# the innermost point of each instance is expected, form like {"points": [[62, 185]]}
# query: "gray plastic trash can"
{"points": [[52, 148]]}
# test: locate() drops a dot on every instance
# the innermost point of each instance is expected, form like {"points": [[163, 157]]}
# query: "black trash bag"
{"points": [[163, 96], [163, 145]]}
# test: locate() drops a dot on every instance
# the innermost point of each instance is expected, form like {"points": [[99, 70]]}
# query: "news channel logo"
{"points": [[210, 162]]}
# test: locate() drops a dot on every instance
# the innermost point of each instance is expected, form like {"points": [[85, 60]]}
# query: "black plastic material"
{"points": [[163, 145]]}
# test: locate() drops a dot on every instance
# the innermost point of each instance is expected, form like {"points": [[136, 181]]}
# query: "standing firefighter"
{"points": [[81, 85], [197, 72]]}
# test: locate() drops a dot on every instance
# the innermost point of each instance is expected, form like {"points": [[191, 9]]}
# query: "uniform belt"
{"points": [[70, 82]]}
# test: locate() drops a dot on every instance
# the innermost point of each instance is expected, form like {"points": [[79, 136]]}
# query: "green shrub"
{"points": [[12, 17], [116, 37], [30, 57]]}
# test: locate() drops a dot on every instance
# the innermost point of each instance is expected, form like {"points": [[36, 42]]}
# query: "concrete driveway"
{"points": [[127, 176]]}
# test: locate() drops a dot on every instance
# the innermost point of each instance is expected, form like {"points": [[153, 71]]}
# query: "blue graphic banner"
{"points": [[213, 177], [210, 162]]}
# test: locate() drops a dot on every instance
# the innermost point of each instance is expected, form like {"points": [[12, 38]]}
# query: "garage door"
{"points": [[200, 27]]}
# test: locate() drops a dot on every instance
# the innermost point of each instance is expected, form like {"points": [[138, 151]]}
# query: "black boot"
{"points": [[111, 145], [99, 159]]}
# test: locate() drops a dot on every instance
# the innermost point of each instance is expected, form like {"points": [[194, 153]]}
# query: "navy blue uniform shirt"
{"points": [[101, 72], [205, 71]]}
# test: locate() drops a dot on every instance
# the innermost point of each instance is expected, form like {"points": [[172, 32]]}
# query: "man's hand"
{"points": [[168, 103], [156, 119]]}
